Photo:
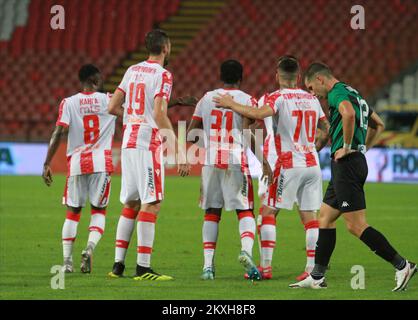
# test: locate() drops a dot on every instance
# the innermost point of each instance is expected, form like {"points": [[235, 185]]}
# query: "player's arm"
{"points": [[54, 143], [323, 134], [183, 101], [194, 124], [227, 102], [348, 116], [375, 127], [115, 105], [163, 122], [267, 172]]}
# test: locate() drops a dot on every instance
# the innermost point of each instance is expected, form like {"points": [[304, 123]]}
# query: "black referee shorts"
{"points": [[345, 191]]}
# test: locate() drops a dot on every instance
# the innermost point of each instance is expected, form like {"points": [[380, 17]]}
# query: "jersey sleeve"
{"points": [[338, 97], [164, 86], [197, 115], [273, 101], [123, 86], [64, 117]]}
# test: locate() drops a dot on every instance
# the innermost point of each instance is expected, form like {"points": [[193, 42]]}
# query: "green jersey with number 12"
{"points": [[339, 93]]}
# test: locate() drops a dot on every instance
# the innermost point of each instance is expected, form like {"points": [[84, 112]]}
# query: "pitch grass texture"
{"points": [[31, 218]]}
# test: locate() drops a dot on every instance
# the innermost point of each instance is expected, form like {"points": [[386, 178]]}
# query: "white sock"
{"points": [[268, 240], [124, 232], [259, 219], [69, 233], [146, 234], [312, 230], [210, 237], [247, 231], [96, 228]]}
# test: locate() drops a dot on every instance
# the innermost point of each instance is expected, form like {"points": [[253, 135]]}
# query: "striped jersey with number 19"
{"points": [[141, 84]]}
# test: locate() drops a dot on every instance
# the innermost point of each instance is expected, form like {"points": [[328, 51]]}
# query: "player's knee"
{"points": [[134, 205], [151, 207], [269, 212], [75, 210], [325, 222], [217, 211], [355, 228]]}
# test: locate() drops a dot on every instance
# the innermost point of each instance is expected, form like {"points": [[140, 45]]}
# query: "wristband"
{"points": [[347, 146]]}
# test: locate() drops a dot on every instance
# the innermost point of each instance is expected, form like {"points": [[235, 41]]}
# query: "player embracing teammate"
{"points": [[226, 180], [292, 117]]}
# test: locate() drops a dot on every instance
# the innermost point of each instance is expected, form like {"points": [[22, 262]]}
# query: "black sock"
{"points": [[324, 248], [381, 246]]}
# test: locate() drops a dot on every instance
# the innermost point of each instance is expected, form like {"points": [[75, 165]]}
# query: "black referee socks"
{"points": [[324, 248], [381, 246]]}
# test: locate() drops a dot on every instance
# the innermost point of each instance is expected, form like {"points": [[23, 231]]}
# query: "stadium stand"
{"points": [[38, 65]]}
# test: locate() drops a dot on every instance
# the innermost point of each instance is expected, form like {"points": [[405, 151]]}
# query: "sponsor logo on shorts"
{"points": [[151, 189], [244, 190], [280, 189], [345, 204], [105, 182]]}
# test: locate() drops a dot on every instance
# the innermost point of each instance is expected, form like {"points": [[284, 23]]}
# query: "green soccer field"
{"points": [[31, 219]]}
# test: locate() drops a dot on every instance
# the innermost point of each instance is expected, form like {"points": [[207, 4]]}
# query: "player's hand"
{"points": [[47, 175], [267, 173], [184, 169], [187, 101], [224, 101], [342, 153]]}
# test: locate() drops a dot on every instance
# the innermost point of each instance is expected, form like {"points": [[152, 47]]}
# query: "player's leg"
{"points": [[328, 215], [74, 198], [124, 230], [150, 186], [210, 231], [268, 240], [311, 223], [238, 195], [69, 234], [357, 225], [211, 201], [99, 193], [309, 198]]}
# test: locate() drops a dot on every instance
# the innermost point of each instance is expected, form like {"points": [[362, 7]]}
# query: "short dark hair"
{"points": [[288, 64], [315, 68], [231, 71], [155, 41], [87, 71]]}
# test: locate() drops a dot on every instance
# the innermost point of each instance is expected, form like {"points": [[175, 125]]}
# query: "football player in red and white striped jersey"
{"points": [[142, 100], [89, 152], [226, 180], [296, 115]]}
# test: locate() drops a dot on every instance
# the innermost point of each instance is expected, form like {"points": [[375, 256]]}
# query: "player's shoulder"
{"points": [[273, 96]]}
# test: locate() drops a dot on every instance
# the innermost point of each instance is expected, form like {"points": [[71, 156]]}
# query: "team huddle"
{"points": [[294, 126]]}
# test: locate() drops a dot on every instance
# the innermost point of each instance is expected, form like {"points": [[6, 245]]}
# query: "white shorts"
{"points": [[142, 176], [300, 185], [96, 186], [228, 189]]}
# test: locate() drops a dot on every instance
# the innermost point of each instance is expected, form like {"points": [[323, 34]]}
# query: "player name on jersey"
{"points": [[91, 130]]}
